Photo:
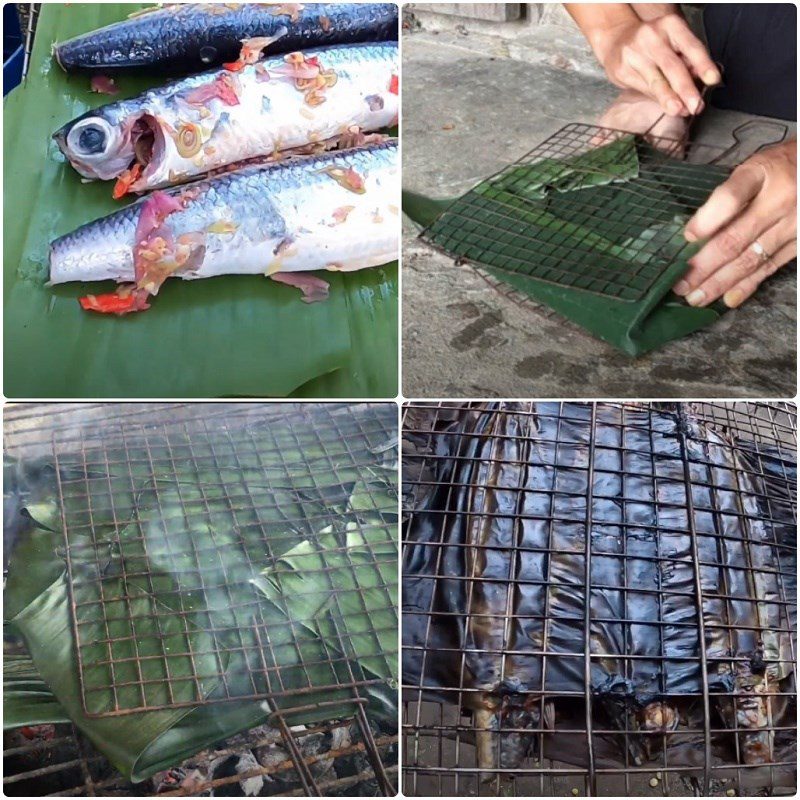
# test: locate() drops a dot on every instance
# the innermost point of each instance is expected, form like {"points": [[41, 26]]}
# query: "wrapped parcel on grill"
{"points": [[176, 585], [630, 557]]}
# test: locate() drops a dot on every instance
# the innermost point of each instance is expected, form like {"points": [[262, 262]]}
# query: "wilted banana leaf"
{"points": [[27, 700], [343, 588], [227, 336], [559, 230], [614, 162], [166, 552]]}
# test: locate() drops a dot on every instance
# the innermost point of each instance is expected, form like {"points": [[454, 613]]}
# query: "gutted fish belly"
{"points": [[185, 38], [189, 127], [336, 211]]}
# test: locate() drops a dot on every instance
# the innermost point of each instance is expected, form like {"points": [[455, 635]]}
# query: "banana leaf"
{"points": [[614, 162], [167, 544], [342, 592], [558, 231], [228, 336], [27, 700]]}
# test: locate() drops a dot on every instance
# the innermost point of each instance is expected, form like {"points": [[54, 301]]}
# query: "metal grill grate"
{"points": [[181, 544], [56, 760], [200, 540], [655, 655], [590, 208]]}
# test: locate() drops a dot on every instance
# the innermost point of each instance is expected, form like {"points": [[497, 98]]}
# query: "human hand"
{"points": [[659, 58], [637, 113], [750, 222]]}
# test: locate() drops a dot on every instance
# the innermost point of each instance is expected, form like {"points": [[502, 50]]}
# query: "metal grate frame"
{"points": [[144, 457]]}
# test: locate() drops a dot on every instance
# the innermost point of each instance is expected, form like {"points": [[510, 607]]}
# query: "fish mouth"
{"points": [[55, 52], [148, 142]]}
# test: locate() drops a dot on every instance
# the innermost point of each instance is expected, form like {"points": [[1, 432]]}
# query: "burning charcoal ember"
{"points": [[189, 780], [356, 764], [48, 759], [316, 745]]}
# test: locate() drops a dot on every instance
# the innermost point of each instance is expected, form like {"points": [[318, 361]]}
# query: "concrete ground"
{"points": [[470, 108]]}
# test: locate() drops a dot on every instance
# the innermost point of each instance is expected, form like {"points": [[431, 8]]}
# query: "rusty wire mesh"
{"points": [[261, 477], [656, 655], [58, 761]]}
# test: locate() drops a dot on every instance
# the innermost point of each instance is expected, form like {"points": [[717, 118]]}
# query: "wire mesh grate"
{"points": [[538, 659], [590, 208], [47, 760], [250, 558]]}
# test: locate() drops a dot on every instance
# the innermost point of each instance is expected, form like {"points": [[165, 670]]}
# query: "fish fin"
{"points": [[314, 289]]}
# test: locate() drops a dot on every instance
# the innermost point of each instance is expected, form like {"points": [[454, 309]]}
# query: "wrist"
{"points": [[602, 41], [650, 11]]}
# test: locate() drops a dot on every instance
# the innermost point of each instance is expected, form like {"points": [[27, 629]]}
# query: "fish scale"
{"points": [[285, 207], [191, 137]]}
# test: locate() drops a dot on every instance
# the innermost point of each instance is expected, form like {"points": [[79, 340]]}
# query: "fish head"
{"points": [[96, 144], [105, 142]]}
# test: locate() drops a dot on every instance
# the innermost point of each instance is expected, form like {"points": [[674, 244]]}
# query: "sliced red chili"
{"points": [[126, 180], [110, 303]]}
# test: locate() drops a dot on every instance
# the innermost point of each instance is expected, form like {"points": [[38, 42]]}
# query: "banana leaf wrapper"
{"points": [[231, 336], [557, 230], [494, 579], [140, 565]]}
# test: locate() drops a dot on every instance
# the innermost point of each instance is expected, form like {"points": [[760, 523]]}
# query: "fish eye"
{"points": [[208, 54], [90, 138]]}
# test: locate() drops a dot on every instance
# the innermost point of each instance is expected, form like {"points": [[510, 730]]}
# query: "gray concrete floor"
{"points": [[469, 110]]}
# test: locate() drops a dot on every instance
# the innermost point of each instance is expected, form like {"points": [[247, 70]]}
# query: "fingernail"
{"points": [[733, 298], [696, 297], [674, 108], [681, 288], [698, 106], [710, 77], [689, 236]]}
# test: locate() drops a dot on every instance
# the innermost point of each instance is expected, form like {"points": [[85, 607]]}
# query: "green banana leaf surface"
{"points": [[597, 236], [228, 336], [26, 698], [199, 581]]}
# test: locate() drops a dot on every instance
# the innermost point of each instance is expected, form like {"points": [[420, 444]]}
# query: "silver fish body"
{"points": [[189, 37], [204, 122], [261, 219]]}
